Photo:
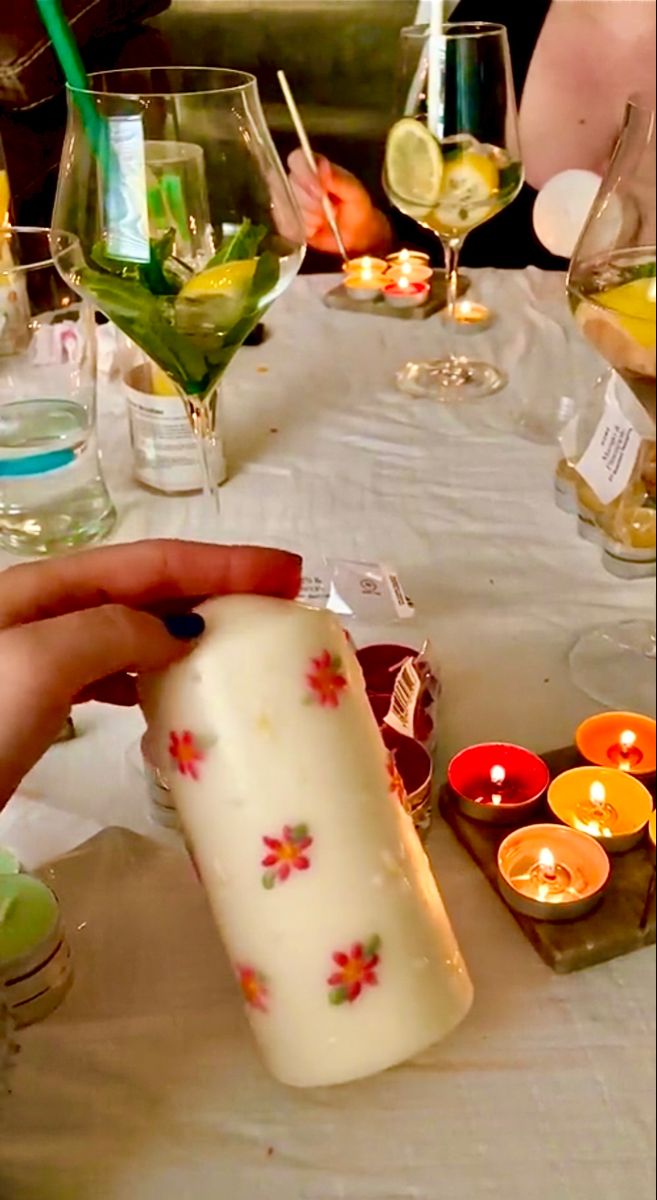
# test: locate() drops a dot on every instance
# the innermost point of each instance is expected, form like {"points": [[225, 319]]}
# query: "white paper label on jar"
{"points": [[609, 461], [165, 452]]}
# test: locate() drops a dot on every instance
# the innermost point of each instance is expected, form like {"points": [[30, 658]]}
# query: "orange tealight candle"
{"points": [[552, 873], [408, 258], [625, 740], [414, 272], [608, 804], [367, 264]]}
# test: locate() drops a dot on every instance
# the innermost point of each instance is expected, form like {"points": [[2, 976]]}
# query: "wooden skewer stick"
{"points": [[329, 211]]}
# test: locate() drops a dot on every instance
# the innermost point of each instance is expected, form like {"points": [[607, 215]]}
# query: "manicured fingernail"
{"points": [[184, 626]]}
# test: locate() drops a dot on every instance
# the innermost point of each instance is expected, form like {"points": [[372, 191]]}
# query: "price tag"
{"points": [[609, 461]]}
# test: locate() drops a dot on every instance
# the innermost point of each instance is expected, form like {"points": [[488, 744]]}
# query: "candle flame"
{"points": [[628, 740], [497, 776], [547, 861], [598, 793], [404, 283]]}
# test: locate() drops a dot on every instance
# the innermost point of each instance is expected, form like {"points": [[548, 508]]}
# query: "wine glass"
{"points": [[611, 287], [173, 213], [453, 162]]}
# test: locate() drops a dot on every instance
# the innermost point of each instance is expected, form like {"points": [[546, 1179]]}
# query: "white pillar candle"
{"points": [[318, 883]]}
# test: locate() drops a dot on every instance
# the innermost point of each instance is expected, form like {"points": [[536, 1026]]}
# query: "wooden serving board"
{"points": [[613, 929], [339, 298]]}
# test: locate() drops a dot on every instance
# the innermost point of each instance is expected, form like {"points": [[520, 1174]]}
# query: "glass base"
{"points": [[81, 518], [615, 664], [451, 380]]}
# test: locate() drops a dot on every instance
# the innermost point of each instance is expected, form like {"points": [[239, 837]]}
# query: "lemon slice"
{"points": [[643, 529], [469, 183], [160, 383], [413, 166], [634, 305], [230, 279]]}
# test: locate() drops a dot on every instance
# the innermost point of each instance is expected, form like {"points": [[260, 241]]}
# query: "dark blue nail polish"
{"points": [[184, 626]]}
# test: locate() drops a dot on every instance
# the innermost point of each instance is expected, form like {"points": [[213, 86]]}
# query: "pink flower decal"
{"points": [[254, 989], [325, 679], [186, 753], [286, 854], [356, 971], [396, 783]]}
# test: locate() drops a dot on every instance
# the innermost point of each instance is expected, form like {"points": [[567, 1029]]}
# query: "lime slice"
{"points": [[469, 184], [413, 166], [160, 383], [635, 307], [230, 279]]}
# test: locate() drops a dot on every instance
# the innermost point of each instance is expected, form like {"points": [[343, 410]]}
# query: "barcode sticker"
{"points": [[405, 697]]}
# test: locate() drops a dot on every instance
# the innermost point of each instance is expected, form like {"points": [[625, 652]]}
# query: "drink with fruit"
{"points": [[452, 162], [191, 293], [612, 290]]}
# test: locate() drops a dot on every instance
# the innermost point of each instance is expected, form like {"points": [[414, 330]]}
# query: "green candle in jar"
{"points": [[28, 915], [9, 864]]}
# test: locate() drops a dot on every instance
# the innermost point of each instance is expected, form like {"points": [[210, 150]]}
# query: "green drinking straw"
{"points": [[68, 54]]}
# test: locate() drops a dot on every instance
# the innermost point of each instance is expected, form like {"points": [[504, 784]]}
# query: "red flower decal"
{"points": [[286, 854], [356, 971], [325, 679], [254, 988], [186, 753], [396, 783]]}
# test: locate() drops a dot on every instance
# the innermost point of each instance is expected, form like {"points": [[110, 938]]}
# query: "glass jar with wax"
{"points": [[339, 941], [35, 960]]}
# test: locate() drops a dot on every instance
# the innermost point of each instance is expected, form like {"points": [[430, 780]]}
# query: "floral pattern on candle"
{"points": [[325, 680], [395, 781], [254, 988], [186, 753], [356, 971], [286, 854]]}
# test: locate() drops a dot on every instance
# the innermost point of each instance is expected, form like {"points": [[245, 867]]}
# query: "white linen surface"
{"points": [[145, 1086]]}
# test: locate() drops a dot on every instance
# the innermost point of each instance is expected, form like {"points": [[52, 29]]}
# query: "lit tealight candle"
{"points": [[497, 782], [365, 284], [404, 293], [652, 830], [609, 805], [552, 873], [470, 317], [625, 740], [415, 272], [368, 264], [408, 258]]}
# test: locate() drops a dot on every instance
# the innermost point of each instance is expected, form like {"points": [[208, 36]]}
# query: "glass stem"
{"points": [[202, 411], [452, 251]]}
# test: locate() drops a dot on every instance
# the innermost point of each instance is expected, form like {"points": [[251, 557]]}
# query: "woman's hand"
{"points": [[77, 628], [364, 229]]}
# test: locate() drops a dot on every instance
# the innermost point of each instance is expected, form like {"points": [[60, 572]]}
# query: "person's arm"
{"points": [[79, 628], [365, 230]]}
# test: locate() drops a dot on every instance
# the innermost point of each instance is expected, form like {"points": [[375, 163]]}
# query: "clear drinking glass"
{"points": [[612, 292], [188, 296], [453, 162], [52, 493]]}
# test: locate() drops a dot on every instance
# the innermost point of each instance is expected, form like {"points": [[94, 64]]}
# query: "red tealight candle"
{"points": [[497, 782], [405, 293]]}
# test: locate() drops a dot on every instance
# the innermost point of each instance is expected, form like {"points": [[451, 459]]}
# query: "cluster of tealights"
{"points": [[403, 280], [557, 872]]}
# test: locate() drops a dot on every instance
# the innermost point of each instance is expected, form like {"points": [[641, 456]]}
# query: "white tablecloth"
{"points": [[145, 1085]]}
